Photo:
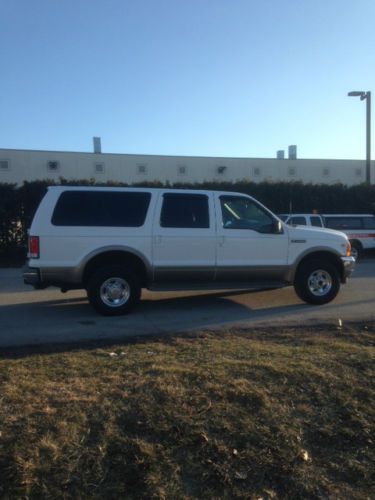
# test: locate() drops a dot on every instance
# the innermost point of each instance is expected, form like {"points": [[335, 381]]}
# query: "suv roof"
{"points": [[142, 189]]}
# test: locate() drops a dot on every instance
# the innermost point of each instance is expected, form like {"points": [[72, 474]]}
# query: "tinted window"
{"points": [[185, 210], [298, 220], [243, 213], [369, 222], [342, 223], [316, 221], [101, 208]]}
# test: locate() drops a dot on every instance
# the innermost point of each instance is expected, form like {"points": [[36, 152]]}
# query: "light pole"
{"points": [[366, 95]]}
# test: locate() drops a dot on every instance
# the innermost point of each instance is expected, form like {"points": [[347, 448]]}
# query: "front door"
{"points": [[249, 246]]}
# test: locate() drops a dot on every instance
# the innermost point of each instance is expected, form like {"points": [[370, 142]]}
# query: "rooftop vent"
{"points": [[292, 152], [97, 145]]}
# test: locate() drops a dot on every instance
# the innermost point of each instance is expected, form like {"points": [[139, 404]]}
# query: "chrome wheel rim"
{"points": [[115, 292], [319, 282]]}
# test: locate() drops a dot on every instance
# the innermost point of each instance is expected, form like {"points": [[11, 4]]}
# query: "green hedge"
{"points": [[18, 204]]}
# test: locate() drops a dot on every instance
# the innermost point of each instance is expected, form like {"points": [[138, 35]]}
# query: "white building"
{"points": [[17, 166]]}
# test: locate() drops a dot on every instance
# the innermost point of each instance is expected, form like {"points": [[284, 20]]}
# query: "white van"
{"points": [[360, 228]]}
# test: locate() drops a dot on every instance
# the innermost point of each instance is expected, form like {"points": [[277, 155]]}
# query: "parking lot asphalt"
{"points": [[29, 317]]}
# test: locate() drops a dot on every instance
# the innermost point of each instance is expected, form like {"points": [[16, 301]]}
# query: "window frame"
{"points": [[206, 224], [52, 169], [349, 227], [368, 226], [142, 169], [65, 217], [99, 164], [262, 209], [182, 170], [293, 223], [316, 218], [8, 165], [292, 172]]}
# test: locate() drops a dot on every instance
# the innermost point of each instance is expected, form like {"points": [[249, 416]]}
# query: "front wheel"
{"points": [[113, 291], [356, 250], [317, 282]]}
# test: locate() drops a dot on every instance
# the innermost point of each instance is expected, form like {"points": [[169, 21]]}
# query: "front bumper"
{"points": [[348, 267]]}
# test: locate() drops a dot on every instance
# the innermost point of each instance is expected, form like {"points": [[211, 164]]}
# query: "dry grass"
{"points": [[271, 415]]}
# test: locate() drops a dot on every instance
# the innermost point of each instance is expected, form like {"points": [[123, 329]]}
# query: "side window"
{"points": [[316, 221], [298, 220], [101, 208], [243, 213], [185, 211], [342, 223], [369, 222]]}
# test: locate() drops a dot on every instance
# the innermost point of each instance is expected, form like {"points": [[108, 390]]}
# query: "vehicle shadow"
{"points": [[73, 319], [70, 323]]}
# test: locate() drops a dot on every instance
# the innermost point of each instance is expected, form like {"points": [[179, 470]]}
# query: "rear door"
{"points": [[184, 239]]}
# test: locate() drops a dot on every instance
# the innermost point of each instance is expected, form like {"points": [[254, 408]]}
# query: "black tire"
{"points": [[357, 249], [113, 290], [317, 282]]}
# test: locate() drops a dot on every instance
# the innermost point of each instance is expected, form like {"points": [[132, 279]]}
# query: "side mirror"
{"points": [[277, 227]]}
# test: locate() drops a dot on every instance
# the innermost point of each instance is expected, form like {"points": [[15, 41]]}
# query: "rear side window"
{"points": [[316, 221], [369, 222], [184, 210], [301, 221], [101, 208], [343, 223]]}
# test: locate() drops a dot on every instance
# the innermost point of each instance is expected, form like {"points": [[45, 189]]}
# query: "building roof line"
{"points": [[137, 155]]}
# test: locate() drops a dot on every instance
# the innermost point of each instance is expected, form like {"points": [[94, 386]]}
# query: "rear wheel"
{"points": [[113, 291], [317, 282]]}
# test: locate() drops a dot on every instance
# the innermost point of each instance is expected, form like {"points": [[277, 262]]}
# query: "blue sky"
{"points": [[187, 77]]}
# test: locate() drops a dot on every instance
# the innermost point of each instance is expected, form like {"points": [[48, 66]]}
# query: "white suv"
{"points": [[115, 241]]}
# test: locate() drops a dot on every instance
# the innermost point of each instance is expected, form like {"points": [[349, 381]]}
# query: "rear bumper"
{"points": [[348, 267], [31, 276], [64, 278]]}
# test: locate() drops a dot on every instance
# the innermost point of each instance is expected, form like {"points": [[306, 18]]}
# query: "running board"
{"points": [[181, 287]]}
